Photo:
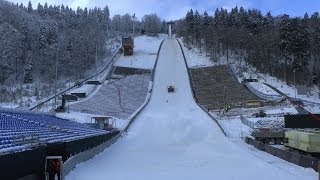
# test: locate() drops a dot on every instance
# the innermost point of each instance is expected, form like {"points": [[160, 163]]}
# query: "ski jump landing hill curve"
{"points": [[173, 138]]}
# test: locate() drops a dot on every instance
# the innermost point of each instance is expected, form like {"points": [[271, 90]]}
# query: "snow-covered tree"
{"points": [[190, 26], [197, 27], [116, 22], [30, 9], [28, 77], [152, 24], [266, 42]]}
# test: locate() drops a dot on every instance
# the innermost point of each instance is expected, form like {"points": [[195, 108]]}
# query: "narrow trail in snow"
{"points": [[173, 138]]}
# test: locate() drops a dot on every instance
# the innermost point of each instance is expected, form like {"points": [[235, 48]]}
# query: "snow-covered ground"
{"points": [[290, 91], [268, 122], [195, 58], [174, 139], [283, 110], [231, 122], [135, 60], [234, 128], [275, 111], [144, 53], [263, 88]]}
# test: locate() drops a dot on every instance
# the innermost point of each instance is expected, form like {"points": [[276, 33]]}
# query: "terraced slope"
{"points": [[117, 98], [215, 87]]}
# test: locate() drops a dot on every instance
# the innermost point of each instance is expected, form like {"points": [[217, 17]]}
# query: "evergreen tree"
{"points": [[40, 10], [28, 69], [106, 19], [30, 7], [190, 26], [206, 28], [197, 28]]}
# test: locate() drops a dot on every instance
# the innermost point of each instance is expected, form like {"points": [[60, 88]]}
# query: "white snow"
{"points": [[234, 128], [174, 139], [76, 116], [140, 60], [290, 91], [263, 88], [195, 58], [144, 53], [282, 110], [312, 109]]}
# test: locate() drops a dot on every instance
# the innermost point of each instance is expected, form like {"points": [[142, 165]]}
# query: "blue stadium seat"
{"points": [[17, 129]]}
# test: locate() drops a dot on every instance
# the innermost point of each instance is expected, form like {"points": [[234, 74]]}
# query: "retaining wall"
{"points": [[295, 158], [32, 162]]}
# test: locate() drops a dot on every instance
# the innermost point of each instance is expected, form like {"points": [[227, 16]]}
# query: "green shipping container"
{"points": [[308, 141]]}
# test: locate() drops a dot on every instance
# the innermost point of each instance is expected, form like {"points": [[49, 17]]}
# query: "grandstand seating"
{"points": [[20, 131], [215, 87], [118, 98]]}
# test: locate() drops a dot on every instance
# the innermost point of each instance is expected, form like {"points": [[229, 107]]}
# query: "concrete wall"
{"points": [[295, 158], [71, 163]]}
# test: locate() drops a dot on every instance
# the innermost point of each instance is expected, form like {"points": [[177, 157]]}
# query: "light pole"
{"points": [[294, 76], [56, 84], [133, 18], [294, 82], [224, 96], [96, 66]]}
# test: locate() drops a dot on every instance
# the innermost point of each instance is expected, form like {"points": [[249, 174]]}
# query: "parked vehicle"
{"points": [[261, 113], [170, 89], [127, 46], [269, 135]]}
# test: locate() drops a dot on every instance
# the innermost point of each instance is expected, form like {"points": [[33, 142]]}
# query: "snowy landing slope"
{"points": [[174, 139], [144, 53]]}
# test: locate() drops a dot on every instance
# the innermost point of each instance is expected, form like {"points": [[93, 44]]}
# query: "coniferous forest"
{"points": [[33, 39], [280, 45], [37, 42]]}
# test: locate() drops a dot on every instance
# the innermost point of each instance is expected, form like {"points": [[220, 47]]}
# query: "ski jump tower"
{"points": [[170, 27]]}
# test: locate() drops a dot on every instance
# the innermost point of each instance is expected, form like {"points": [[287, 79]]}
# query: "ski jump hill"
{"points": [[174, 138], [171, 136]]}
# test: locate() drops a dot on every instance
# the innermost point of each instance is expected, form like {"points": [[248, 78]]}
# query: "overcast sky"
{"points": [[175, 9]]}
